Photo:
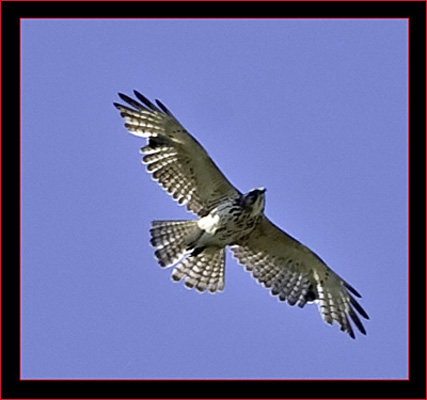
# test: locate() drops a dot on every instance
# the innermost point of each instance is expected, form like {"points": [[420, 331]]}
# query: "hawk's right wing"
{"points": [[297, 275], [175, 159]]}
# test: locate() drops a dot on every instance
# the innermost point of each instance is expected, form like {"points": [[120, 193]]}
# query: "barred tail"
{"points": [[172, 239], [203, 271]]}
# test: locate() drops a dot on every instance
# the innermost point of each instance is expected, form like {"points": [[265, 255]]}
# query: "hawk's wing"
{"points": [[176, 160], [297, 275]]}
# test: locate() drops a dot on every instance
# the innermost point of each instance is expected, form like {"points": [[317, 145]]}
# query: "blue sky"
{"points": [[313, 110]]}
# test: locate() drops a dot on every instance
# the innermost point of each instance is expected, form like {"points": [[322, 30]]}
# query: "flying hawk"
{"points": [[227, 217]]}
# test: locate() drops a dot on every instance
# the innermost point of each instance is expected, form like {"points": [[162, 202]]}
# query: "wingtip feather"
{"points": [[163, 107], [352, 290], [357, 321], [124, 97], [145, 101], [358, 308]]}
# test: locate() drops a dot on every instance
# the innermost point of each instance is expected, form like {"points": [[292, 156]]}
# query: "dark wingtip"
{"points": [[139, 95], [362, 329], [145, 101], [352, 290], [163, 107], [357, 321], [134, 103], [358, 308], [124, 97]]}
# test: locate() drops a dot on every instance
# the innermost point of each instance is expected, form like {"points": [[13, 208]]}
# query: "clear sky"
{"points": [[313, 110]]}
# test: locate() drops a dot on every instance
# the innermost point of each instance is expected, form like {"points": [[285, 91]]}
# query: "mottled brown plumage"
{"points": [[228, 218]]}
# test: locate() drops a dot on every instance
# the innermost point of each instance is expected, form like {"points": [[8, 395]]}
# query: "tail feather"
{"points": [[171, 239], [203, 271]]}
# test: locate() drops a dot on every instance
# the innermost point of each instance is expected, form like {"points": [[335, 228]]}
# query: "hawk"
{"points": [[228, 217]]}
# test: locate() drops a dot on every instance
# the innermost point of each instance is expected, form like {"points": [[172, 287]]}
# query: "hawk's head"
{"points": [[255, 199]]}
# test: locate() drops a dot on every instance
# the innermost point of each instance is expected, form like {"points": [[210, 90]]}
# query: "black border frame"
{"points": [[13, 387]]}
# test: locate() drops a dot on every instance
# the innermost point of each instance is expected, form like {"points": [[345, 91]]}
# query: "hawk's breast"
{"points": [[226, 224]]}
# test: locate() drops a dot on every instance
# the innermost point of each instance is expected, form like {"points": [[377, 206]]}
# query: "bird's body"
{"points": [[228, 218], [225, 225], [231, 220]]}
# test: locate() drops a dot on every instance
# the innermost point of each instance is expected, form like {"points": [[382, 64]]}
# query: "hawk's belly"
{"points": [[225, 225]]}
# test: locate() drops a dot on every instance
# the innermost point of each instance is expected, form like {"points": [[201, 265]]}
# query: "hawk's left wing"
{"points": [[175, 159], [297, 275]]}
